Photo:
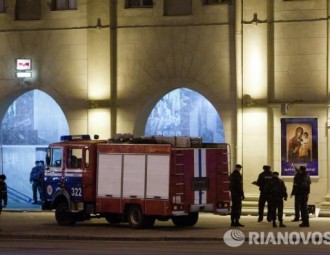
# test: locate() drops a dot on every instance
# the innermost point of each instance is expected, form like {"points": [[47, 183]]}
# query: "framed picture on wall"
{"points": [[299, 146]]}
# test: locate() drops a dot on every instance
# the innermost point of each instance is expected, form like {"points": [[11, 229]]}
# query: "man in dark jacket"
{"points": [[237, 195], [3, 191], [276, 191], [36, 176], [303, 183], [293, 193], [263, 178]]}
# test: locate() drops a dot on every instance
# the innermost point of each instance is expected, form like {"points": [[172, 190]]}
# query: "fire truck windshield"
{"points": [[56, 157]]}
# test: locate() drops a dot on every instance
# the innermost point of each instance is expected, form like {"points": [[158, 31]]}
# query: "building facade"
{"points": [[107, 63]]}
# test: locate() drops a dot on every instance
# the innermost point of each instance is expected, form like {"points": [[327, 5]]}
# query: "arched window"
{"points": [[33, 118], [184, 112], [31, 122]]}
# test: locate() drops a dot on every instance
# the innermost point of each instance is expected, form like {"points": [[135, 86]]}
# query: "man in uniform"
{"points": [[263, 178], [36, 180], [3, 191], [303, 183], [276, 191], [237, 195], [293, 193]]}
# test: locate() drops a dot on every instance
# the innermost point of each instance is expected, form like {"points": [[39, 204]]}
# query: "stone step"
{"points": [[254, 211], [325, 204], [327, 198], [249, 211], [324, 213], [251, 197], [249, 204]]}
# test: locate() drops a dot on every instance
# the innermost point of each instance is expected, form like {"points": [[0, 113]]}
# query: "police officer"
{"points": [[303, 183], [263, 178], [293, 193], [3, 191], [237, 195], [36, 180], [275, 190]]}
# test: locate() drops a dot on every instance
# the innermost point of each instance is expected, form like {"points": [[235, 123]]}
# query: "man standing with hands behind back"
{"points": [[237, 195]]}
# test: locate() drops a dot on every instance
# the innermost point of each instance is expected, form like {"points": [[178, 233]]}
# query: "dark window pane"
{"points": [[217, 1], [2, 6], [177, 8], [28, 9], [147, 2], [138, 3], [64, 5]]}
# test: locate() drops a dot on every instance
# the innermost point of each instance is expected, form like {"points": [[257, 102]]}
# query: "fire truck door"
{"points": [[73, 173]]}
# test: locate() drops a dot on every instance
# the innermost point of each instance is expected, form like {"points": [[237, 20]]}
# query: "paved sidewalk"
{"points": [[42, 225]]}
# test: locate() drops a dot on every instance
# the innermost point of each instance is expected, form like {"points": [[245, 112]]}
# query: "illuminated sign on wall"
{"points": [[23, 74], [23, 64]]}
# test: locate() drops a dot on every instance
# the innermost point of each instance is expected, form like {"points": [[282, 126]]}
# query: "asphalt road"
{"points": [[38, 233], [66, 247]]}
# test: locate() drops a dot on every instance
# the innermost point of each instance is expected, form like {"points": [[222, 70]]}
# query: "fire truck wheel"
{"points": [[63, 215], [185, 221], [135, 217]]}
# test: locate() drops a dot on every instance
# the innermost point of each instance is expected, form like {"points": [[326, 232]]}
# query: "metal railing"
{"points": [[18, 196]]}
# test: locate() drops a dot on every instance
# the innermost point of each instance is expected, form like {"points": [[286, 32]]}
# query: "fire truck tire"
{"points": [[185, 221], [135, 217], [63, 215]]}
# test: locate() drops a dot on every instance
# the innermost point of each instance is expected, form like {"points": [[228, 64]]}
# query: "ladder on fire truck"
{"points": [[224, 176], [179, 176]]}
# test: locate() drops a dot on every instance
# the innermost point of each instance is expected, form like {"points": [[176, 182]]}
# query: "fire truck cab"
{"points": [[137, 181]]}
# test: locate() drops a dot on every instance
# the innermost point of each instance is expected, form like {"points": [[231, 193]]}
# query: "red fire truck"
{"points": [[137, 181]]}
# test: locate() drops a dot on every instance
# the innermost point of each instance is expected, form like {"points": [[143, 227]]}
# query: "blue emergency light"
{"points": [[65, 138]]}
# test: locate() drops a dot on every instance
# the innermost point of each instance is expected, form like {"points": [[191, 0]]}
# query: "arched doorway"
{"points": [[31, 122], [184, 112]]}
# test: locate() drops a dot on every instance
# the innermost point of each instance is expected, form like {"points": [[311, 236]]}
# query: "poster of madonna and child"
{"points": [[299, 145]]}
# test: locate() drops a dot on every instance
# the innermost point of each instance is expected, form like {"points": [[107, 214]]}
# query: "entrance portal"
{"points": [[184, 112], [31, 122]]}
